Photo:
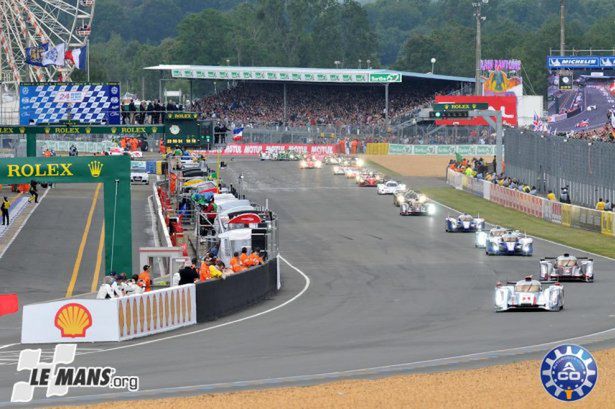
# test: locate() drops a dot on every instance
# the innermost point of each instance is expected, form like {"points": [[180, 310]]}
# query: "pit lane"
{"points": [[387, 293]]}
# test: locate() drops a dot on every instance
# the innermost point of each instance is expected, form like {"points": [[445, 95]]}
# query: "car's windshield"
{"points": [[498, 233], [466, 218], [527, 287], [567, 262], [509, 239]]}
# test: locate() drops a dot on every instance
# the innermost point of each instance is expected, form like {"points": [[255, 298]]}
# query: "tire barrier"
{"points": [[217, 298]]}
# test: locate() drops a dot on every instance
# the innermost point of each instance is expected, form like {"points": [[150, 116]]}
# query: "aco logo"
{"points": [[73, 320], [569, 372]]}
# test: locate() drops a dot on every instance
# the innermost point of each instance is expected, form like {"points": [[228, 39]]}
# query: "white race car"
{"points": [[391, 187], [567, 267], [529, 294], [511, 243], [464, 223], [482, 237], [339, 170]]}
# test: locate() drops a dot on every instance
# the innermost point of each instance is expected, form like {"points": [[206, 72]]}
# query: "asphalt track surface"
{"points": [[385, 292]]}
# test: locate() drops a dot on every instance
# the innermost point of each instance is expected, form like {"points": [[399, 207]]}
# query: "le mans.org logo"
{"points": [[569, 372], [73, 320]]}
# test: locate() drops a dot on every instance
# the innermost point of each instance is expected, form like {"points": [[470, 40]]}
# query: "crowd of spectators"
{"points": [[310, 105]]}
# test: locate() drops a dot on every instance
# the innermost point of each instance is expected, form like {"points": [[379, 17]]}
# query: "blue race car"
{"points": [[465, 223]]}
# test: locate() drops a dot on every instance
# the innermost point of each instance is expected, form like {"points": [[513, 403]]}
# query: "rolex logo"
{"points": [[22, 130], [47, 130], [88, 130], [95, 168], [154, 130], [114, 130]]}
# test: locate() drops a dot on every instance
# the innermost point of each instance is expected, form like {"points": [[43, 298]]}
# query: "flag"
{"points": [[77, 56], [237, 134], [9, 304], [54, 55], [458, 157], [538, 125], [34, 55]]}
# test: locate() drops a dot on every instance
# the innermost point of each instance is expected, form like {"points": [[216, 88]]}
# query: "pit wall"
{"points": [[554, 212]]}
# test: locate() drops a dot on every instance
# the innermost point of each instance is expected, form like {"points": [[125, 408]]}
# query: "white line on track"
{"points": [[277, 307], [23, 224]]}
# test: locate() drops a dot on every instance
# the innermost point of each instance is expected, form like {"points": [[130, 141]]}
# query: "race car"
{"points": [[416, 204], [402, 197], [339, 170], [358, 162], [464, 223], [332, 160], [368, 180], [482, 237], [391, 187], [511, 243], [567, 267], [529, 294], [310, 163], [582, 124], [350, 173]]}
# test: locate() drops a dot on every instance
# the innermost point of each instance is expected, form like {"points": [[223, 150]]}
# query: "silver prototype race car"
{"points": [[567, 268], [465, 223], [482, 237], [511, 243], [416, 204], [529, 294]]}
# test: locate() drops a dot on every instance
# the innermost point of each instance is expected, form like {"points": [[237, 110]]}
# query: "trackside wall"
{"points": [[554, 212]]}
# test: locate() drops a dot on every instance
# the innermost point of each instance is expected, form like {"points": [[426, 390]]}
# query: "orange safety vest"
{"points": [[255, 259], [245, 259], [204, 274], [147, 280], [236, 265]]}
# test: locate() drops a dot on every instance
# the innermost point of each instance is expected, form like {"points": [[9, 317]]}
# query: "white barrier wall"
{"points": [[70, 321], [109, 320], [156, 311]]}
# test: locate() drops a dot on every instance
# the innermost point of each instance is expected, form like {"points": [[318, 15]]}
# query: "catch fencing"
{"points": [[554, 212], [553, 162]]}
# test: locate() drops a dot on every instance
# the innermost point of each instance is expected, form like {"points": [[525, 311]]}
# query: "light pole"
{"points": [[479, 19], [337, 64], [562, 28], [360, 61], [369, 64], [433, 65]]}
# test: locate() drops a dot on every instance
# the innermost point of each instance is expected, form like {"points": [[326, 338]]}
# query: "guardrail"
{"points": [[554, 212]]}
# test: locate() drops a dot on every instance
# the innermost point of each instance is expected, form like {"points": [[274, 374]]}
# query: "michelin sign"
{"points": [[580, 62]]}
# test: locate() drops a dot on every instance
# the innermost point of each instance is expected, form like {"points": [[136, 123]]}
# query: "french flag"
{"points": [[78, 56], [237, 134]]}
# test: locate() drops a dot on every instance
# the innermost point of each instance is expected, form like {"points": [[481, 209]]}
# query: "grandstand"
{"points": [[305, 97]]}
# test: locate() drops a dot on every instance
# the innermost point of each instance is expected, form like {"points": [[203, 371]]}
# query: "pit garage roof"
{"points": [[288, 74]]}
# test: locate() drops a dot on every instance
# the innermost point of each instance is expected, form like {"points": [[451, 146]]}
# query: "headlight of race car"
{"points": [[526, 248], [431, 208], [360, 162], [422, 199], [481, 239], [303, 164], [318, 164]]}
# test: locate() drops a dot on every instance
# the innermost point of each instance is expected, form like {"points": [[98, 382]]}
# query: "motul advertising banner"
{"points": [[506, 104], [255, 149]]}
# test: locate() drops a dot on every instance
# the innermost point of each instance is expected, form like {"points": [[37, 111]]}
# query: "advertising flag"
{"points": [[78, 57]]}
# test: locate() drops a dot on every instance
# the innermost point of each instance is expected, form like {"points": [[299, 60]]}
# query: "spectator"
{"points": [[106, 291], [534, 191], [565, 196], [188, 274], [551, 196], [600, 205], [608, 206], [255, 258], [4, 207], [244, 258], [131, 287], [236, 263]]}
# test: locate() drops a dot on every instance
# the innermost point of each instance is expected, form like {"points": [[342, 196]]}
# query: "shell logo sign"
{"points": [[73, 320]]}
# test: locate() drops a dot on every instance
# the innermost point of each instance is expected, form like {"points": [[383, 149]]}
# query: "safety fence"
{"points": [[117, 319], [554, 212], [553, 162], [441, 150]]}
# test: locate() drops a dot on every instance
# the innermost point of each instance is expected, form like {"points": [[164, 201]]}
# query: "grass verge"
{"points": [[496, 214]]}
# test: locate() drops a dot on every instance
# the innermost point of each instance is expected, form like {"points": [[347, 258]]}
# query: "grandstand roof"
{"points": [[288, 74]]}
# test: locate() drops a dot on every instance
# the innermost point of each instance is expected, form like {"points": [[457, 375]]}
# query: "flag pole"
{"points": [[87, 44]]}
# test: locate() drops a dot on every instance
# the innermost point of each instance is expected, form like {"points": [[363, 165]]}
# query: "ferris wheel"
{"points": [[27, 23]]}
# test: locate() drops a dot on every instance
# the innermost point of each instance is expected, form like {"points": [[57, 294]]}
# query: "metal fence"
{"points": [[553, 162]]}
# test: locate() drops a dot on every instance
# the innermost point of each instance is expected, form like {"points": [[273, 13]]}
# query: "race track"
{"points": [[383, 290]]}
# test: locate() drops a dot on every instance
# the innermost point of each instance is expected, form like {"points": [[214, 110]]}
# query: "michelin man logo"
{"points": [[569, 372], [59, 379]]}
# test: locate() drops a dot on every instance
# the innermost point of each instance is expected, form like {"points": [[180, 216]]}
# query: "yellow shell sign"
{"points": [[73, 320]]}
